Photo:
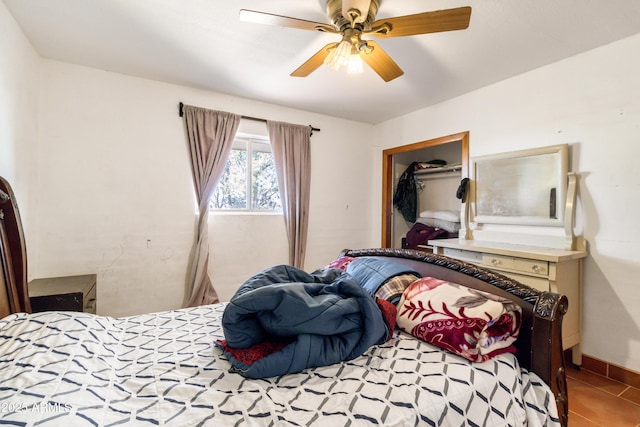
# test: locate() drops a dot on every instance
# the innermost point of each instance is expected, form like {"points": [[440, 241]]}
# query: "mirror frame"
{"points": [[555, 158]]}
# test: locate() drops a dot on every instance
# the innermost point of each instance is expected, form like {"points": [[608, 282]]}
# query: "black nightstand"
{"points": [[70, 293]]}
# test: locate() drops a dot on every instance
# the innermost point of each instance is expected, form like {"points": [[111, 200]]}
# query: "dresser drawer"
{"points": [[60, 302], [468, 256], [523, 265], [69, 293], [538, 283]]}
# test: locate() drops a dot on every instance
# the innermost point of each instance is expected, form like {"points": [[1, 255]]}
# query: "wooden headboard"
{"points": [[14, 295]]}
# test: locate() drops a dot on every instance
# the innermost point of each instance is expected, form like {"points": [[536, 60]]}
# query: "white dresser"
{"points": [[546, 269]]}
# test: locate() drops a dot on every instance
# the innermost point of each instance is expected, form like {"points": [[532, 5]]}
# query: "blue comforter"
{"points": [[372, 273], [326, 317]]}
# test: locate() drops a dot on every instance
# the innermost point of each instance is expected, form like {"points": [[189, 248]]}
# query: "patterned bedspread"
{"points": [[76, 369]]}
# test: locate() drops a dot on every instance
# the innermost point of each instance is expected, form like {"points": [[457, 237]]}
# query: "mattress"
{"points": [[78, 369]]}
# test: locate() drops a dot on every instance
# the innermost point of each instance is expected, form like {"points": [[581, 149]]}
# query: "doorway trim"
{"points": [[388, 178]]}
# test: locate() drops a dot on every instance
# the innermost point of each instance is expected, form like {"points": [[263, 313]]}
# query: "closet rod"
{"points": [[181, 113]]}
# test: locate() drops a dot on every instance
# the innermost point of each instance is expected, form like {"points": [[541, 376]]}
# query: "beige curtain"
{"points": [[210, 137], [291, 149]]}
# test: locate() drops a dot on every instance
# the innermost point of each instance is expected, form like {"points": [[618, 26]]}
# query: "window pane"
{"points": [[264, 181], [231, 192], [248, 183]]}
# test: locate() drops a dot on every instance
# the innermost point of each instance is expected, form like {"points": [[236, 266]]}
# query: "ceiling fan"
{"points": [[352, 19]]}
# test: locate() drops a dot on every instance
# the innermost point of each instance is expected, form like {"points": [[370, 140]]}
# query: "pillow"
{"points": [[393, 288], [341, 263], [453, 216], [451, 227], [471, 323]]}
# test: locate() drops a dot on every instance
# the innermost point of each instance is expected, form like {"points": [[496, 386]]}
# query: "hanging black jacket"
{"points": [[406, 196]]}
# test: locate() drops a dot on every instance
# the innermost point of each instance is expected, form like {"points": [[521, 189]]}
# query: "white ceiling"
{"points": [[201, 43]]}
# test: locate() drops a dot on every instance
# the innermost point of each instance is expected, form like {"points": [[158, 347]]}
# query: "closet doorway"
{"points": [[454, 149]]}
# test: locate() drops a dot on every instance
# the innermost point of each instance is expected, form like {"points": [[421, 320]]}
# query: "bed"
{"points": [[79, 369]]}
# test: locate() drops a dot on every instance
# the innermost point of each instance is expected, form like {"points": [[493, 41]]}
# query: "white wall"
{"points": [[115, 193], [19, 84], [591, 102]]}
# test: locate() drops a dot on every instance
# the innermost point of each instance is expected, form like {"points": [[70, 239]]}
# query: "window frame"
{"points": [[248, 143]]}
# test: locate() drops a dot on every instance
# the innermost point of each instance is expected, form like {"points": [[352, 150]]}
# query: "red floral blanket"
{"points": [[471, 323]]}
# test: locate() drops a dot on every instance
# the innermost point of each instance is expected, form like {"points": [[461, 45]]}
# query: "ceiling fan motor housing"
{"points": [[334, 12]]}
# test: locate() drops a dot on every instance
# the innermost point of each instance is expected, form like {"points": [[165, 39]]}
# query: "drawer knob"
{"points": [[536, 268], [495, 261]]}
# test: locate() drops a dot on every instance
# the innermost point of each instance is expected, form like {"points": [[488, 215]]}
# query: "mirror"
{"points": [[525, 187]]}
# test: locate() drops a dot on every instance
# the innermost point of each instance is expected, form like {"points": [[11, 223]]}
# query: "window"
{"points": [[249, 181]]}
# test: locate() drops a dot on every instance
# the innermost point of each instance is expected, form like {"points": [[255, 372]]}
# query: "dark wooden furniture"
{"points": [[14, 296], [71, 293]]}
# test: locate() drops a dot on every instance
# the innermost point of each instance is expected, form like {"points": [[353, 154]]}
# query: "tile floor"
{"points": [[595, 400]]}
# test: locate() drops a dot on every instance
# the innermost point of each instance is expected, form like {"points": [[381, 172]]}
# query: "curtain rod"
{"points": [[181, 113]]}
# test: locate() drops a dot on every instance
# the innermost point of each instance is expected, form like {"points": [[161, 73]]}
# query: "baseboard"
{"points": [[606, 369]]}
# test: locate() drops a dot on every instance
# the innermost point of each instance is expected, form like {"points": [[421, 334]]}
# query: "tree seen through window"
{"points": [[249, 181]]}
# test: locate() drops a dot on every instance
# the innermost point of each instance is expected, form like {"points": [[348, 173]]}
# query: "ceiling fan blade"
{"points": [[283, 21], [360, 5], [314, 62], [423, 23], [381, 62]]}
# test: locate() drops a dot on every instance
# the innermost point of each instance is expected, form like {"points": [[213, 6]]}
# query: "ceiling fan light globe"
{"points": [[339, 56], [355, 64]]}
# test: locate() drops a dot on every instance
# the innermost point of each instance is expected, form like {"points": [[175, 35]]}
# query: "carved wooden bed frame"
{"points": [[14, 295], [539, 344], [540, 340]]}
